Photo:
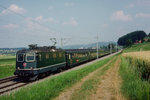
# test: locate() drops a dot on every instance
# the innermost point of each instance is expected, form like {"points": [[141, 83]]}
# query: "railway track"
{"points": [[10, 83], [7, 79]]}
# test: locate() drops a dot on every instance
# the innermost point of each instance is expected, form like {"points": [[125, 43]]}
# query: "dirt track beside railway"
{"points": [[108, 86], [66, 95]]}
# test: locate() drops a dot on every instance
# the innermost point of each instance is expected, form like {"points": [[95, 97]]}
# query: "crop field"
{"points": [[142, 55], [134, 87], [7, 65], [135, 72], [141, 60]]}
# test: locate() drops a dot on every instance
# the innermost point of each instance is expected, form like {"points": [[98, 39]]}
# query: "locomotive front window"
{"points": [[30, 57], [20, 57]]}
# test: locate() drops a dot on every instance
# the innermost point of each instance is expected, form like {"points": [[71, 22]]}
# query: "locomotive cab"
{"points": [[26, 60], [37, 61], [26, 64]]}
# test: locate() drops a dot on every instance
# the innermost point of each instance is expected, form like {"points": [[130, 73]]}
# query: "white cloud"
{"points": [[32, 25], [69, 4], [120, 16], [39, 18], [130, 6], [51, 20], [143, 15], [38, 24], [13, 8], [10, 26], [72, 22]]}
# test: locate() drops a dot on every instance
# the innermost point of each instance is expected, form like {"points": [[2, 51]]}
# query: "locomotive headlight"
{"points": [[31, 67], [18, 67]]}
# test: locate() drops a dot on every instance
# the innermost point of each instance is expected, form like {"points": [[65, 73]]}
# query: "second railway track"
{"points": [[7, 79], [10, 83]]}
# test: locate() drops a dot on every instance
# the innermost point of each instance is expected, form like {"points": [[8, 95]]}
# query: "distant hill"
{"points": [[9, 51], [12, 48], [86, 46]]}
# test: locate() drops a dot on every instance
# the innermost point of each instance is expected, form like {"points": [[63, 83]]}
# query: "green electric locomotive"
{"points": [[32, 62]]}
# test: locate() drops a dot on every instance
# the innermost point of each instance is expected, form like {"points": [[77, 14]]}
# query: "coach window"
{"points": [[70, 56], [47, 56], [54, 55], [60, 55], [40, 57]]}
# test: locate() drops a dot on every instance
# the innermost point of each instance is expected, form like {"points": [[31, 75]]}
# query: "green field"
{"points": [[138, 47], [132, 70], [7, 66]]}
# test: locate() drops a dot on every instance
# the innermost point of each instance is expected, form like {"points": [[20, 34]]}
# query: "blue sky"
{"points": [[25, 22]]}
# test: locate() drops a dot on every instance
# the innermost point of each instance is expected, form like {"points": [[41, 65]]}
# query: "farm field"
{"points": [[7, 65], [135, 72], [138, 47], [141, 55]]}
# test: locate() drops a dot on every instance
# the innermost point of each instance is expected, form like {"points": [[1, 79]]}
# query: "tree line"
{"points": [[132, 37]]}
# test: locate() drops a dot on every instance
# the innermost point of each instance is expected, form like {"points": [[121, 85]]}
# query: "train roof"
{"points": [[80, 50], [35, 48]]}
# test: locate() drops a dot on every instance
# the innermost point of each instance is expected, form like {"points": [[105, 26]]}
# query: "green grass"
{"points": [[89, 86], [6, 56], [133, 87], [7, 66], [138, 47], [50, 88]]}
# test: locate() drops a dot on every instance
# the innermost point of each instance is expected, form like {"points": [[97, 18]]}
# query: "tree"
{"points": [[129, 42], [133, 36], [111, 45]]}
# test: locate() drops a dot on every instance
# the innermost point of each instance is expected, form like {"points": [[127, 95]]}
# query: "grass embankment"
{"points": [[51, 88], [135, 72], [133, 86], [138, 47], [7, 66], [90, 86]]}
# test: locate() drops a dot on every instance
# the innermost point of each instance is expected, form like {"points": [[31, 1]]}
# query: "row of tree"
{"points": [[133, 37]]}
